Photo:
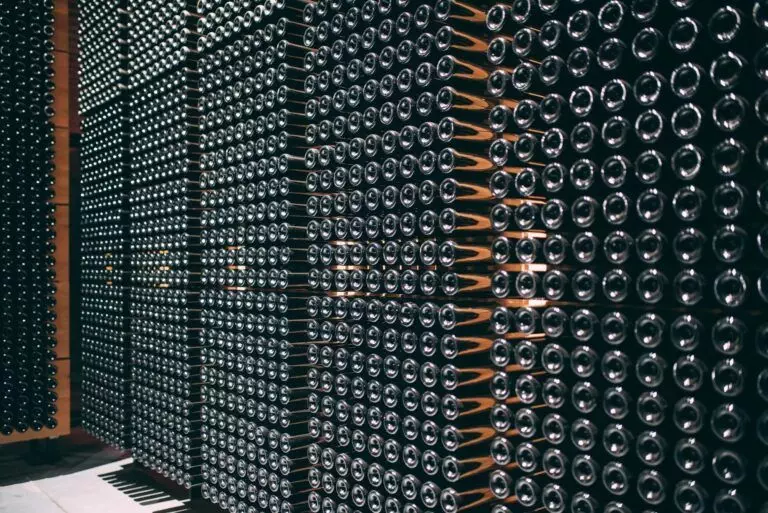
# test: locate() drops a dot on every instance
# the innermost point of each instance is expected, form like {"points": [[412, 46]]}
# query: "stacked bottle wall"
{"points": [[164, 239], [397, 231], [254, 247], [635, 134], [27, 332], [400, 256], [104, 236], [455, 256]]}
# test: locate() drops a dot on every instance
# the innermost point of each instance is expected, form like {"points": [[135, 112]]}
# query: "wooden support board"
{"points": [[61, 124]]}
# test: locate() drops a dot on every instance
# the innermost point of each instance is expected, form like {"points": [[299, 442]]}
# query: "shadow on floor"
{"points": [[144, 490], [41, 459]]}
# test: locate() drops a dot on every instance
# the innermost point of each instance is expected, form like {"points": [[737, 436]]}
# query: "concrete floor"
{"points": [[102, 489], [96, 490], [85, 478]]}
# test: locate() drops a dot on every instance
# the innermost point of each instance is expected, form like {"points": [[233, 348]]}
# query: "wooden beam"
{"points": [[62, 282]]}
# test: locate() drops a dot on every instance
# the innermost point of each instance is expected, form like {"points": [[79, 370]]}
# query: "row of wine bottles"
{"points": [[252, 169], [28, 381], [653, 154], [163, 318], [104, 335]]}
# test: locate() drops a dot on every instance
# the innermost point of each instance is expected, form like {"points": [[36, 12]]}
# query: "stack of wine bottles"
{"points": [[104, 157], [164, 235], [630, 136], [400, 259], [27, 330], [253, 293], [451, 256]]}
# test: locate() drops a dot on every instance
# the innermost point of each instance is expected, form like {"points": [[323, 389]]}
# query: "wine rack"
{"points": [[34, 315], [401, 309], [441, 256], [104, 238], [253, 291], [633, 134], [164, 234]]}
